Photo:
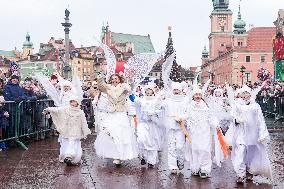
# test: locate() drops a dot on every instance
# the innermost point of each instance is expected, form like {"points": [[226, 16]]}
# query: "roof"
{"points": [[260, 39], [7, 53], [142, 44]]}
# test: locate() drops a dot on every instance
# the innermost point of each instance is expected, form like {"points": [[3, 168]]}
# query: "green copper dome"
{"points": [[239, 25], [205, 53], [28, 43]]}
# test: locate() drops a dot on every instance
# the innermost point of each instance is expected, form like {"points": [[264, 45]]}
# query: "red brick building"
{"points": [[230, 49]]}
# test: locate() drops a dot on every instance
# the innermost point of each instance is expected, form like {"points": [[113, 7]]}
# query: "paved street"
{"points": [[38, 167]]}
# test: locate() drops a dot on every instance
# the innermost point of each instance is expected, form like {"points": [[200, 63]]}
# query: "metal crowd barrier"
{"points": [[273, 107], [26, 120]]}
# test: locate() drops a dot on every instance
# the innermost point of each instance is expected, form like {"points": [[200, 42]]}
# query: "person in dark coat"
{"points": [[2, 84], [13, 91]]}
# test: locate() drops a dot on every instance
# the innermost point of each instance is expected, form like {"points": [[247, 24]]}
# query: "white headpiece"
{"points": [[196, 90], [218, 90], [176, 85], [245, 88], [75, 98], [67, 83]]}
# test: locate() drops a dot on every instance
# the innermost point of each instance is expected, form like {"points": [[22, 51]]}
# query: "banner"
{"points": [[279, 70]]}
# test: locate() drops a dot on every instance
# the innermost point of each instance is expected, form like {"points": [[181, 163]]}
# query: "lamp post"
{"points": [[242, 70]]}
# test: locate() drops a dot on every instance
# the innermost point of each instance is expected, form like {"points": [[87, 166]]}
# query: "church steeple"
{"points": [[205, 53], [27, 47], [239, 25], [221, 5]]}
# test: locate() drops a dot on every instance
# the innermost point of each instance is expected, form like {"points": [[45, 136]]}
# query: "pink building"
{"points": [[230, 49]]}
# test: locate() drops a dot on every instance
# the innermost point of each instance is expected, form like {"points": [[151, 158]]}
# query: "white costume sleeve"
{"points": [[263, 132]]}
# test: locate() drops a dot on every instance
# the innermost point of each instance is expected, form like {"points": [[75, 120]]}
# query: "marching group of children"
{"points": [[186, 122]]}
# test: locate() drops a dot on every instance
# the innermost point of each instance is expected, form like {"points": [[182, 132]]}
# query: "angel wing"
{"points": [[139, 66], [194, 84], [230, 92], [166, 70], [77, 86], [205, 86], [110, 58], [49, 88]]}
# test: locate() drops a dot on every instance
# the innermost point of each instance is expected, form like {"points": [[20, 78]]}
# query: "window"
{"points": [[222, 44], [262, 58], [79, 69], [247, 58], [79, 62], [247, 77], [240, 44], [222, 28]]}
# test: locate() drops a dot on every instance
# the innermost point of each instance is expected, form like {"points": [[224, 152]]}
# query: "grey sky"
{"points": [[188, 18]]}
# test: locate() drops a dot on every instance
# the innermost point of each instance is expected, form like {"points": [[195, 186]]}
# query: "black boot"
{"points": [[68, 161], [143, 161], [151, 166]]}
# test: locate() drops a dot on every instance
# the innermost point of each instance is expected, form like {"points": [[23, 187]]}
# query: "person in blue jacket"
{"points": [[13, 91]]}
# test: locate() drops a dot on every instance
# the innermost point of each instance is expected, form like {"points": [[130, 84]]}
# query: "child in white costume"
{"points": [[250, 136], [116, 139], [175, 114], [148, 135], [200, 123], [71, 123]]}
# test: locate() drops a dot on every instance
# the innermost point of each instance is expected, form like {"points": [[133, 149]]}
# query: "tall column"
{"points": [[67, 70]]}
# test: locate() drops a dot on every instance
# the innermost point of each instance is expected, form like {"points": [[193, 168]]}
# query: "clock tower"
{"points": [[220, 38]]}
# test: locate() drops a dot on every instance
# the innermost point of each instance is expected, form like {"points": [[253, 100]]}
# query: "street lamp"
{"points": [[242, 70]]}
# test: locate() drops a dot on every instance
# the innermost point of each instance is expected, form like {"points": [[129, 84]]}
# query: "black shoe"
{"points": [[68, 161], [240, 180], [143, 161], [151, 166], [203, 175], [180, 165], [249, 176]]}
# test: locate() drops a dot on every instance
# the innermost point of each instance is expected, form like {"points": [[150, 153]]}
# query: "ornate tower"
{"points": [[27, 47], [221, 28]]}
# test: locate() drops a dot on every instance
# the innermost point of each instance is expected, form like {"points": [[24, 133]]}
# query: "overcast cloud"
{"points": [[188, 18]]}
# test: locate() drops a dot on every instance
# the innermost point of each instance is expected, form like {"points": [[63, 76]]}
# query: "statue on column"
{"points": [[279, 23], [67, 13]]}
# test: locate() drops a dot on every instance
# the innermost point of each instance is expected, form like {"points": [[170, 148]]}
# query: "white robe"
{"points": [[70, 133], [116, 138], [248, 153], [200, 123], [148, 136], [175, 106]]}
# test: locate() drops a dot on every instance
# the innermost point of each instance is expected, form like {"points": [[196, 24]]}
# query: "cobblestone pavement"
{"points": [[38, 167]]}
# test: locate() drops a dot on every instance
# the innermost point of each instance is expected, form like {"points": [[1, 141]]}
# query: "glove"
{"points": [[6, 114], [45, 111], [132, 97]]}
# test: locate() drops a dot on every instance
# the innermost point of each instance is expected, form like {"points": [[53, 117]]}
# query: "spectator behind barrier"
{"points": [[1, 86], [13, 91], [4, 122]]}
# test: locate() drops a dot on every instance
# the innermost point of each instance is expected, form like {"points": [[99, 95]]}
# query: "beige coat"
{"points": [[117, 95], [70, 122]]}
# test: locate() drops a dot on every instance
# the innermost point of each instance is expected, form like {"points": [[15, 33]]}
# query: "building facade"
{"points": [[231, 48]]}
